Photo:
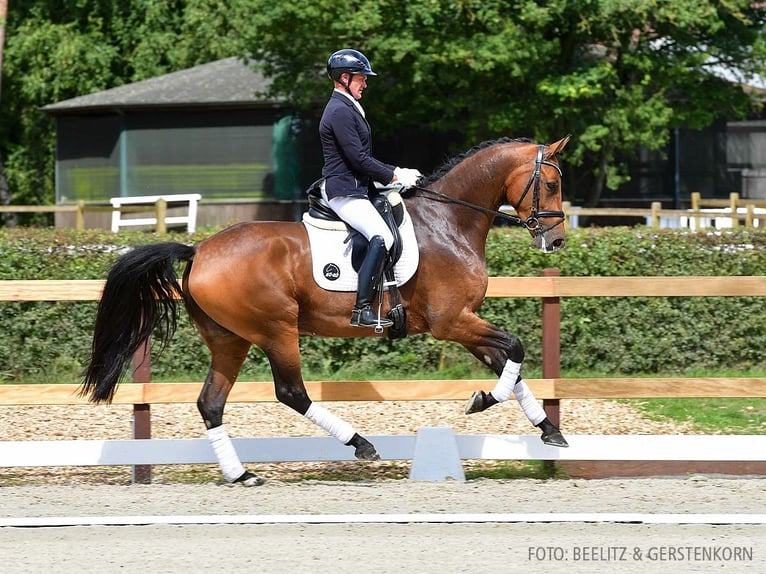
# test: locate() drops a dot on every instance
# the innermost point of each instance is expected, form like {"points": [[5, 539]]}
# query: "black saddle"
{"points": [[392, 215]]}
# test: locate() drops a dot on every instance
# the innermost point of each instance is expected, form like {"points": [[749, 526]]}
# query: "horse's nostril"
{"points": [[554, 245]]}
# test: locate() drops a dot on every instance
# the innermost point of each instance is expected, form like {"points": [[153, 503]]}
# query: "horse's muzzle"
{"points": [[548, 242]]}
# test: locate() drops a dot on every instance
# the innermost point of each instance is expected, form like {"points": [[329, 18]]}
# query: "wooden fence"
{"points": [[703, 212], [78, 208], [551, 388], [157, 206]]}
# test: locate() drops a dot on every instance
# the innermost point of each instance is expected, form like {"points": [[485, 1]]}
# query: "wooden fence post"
{"points": [[750, 215], [696, 196], [161, 211], [656, 206], [551, 346], [142, 416], [734, 203], [79, 216], [551, 352]]}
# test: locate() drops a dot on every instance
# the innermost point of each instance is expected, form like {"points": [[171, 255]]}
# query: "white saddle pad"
{"points": [[331, 258]]}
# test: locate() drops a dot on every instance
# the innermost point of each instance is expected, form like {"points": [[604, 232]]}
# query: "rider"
{"points": [[350, 170]]}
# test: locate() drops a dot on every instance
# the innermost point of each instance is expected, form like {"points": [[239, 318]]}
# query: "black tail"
{"points": [[139, 296]]}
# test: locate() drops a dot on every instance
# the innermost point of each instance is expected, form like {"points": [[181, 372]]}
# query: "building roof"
{"points": [[231, 82]]}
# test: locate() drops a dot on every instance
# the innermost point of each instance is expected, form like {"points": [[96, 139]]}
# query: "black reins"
{"points": [[531, 223]]}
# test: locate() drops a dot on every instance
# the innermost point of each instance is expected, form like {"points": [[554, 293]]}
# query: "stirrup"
{"points": [[365, 317]]}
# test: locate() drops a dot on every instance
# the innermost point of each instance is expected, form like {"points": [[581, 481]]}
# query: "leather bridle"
{"points": [[531, 223]]}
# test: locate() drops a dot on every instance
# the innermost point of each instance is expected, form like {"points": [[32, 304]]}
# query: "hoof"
{"points": [[479, 401], [366, 452], [475, 403], [249, 479], [554, 438], [363, 449]]}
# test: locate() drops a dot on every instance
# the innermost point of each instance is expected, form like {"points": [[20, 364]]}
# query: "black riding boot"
{"points": [[369, 276]]}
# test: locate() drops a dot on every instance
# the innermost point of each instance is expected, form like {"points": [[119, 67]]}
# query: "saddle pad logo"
{"points": [[331, 272]]}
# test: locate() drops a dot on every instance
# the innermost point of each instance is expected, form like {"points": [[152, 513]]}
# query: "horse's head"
{"points": [[534, 190]]}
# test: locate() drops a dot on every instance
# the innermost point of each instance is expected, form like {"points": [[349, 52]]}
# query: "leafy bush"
{"points": [[613, 335]]}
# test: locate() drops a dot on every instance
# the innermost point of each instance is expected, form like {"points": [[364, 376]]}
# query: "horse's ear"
{"points": [[556, 147]]}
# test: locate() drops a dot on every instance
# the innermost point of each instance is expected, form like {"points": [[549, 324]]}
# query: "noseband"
{"points": [[531, 223]]}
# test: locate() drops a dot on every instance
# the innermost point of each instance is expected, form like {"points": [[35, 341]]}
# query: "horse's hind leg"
{"points": [[229, 351]]}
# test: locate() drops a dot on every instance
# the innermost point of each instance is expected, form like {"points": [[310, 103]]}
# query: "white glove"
{"points": [[407, 177]]}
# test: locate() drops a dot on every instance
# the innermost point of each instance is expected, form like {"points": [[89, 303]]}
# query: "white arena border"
{"points": [[484, 518], [435, 443]]}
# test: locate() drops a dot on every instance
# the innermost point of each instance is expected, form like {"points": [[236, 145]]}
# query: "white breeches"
{"points": [[360, 214]]}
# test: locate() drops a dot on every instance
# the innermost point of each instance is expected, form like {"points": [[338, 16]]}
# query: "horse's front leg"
{"points": [[510, 383], [503, 353], [290, 391]]}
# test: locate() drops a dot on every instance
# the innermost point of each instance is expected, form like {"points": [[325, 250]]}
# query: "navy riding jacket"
{"points": [[349, 168]]}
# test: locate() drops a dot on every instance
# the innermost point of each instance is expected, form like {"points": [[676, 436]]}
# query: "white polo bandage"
{"points": [[504, 387], [337, 427], [224, 451], [528, 403]]}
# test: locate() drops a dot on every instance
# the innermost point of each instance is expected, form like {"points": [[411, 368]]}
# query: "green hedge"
{"points": [[617, 336]]}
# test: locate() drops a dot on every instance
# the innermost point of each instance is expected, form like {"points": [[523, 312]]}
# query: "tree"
{"points": [[57, 50], [4, 195], [617, 74], [3, 16]]}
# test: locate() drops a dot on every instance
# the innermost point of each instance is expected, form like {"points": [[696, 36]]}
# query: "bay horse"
{"points": [[251, 284]]}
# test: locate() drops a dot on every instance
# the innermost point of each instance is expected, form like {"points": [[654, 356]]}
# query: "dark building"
{"points": [[201, 130], [716, 161]]}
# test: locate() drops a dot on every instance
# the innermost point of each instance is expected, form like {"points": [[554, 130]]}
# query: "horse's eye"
{"points": [[552, 185]]}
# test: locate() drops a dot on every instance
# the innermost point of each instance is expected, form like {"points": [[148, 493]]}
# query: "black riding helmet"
{"points": [[348, 61]]}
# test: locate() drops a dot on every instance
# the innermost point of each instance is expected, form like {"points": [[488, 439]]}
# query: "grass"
{"points": [[510, 469], [198, 474], [504, 469], [709, 415], [355, 471]]}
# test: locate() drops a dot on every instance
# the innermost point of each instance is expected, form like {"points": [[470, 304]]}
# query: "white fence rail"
{"points": [[436, 452]]}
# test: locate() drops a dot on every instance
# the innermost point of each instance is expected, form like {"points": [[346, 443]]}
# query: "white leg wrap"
{"points": [[337, 427], [504, 387], [528, 403], [224, 451]]}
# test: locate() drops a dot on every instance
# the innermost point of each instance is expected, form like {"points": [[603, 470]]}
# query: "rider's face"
{"points": [[357, 85]]}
